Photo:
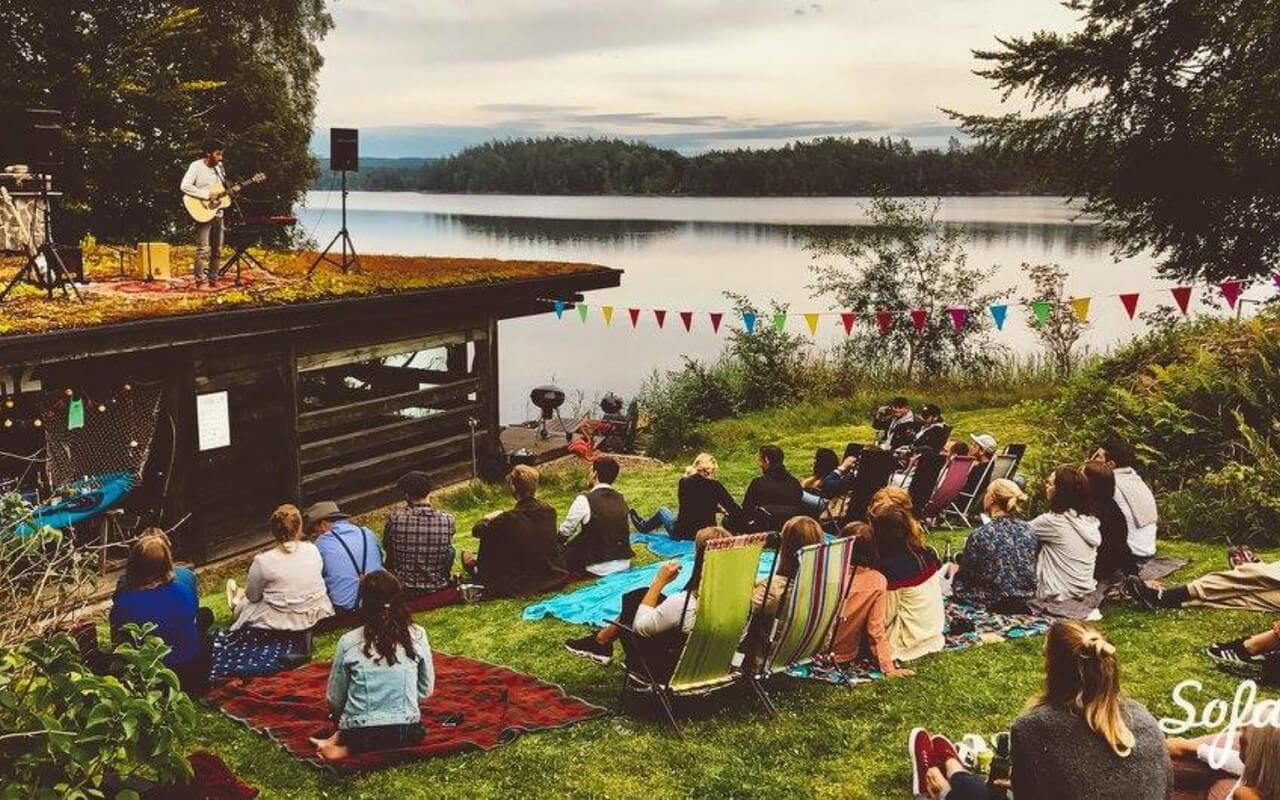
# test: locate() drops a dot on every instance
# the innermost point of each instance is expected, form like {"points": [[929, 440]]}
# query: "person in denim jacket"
{"points": [[381, 673]]}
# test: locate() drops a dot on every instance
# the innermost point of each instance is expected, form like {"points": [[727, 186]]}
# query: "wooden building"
{"points": [[331, 399]]}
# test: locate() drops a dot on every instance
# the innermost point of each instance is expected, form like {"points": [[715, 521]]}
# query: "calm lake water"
{"points": [[684, 253]]}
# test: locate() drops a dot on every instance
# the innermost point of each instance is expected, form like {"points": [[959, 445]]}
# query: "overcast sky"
{"points": [[428, 77]]}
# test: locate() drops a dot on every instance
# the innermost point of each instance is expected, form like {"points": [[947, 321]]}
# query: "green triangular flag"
{"points": [[779, 322], [582, 311], [1041, 309], [75, 414]]}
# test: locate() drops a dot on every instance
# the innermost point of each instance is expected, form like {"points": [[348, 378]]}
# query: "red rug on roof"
{"points": [[490, 705]]}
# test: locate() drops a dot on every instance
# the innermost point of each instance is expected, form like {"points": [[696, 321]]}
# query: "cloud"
{"points": [[529, 108]]}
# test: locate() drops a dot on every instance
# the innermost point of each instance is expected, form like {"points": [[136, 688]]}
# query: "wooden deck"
{"points": [[516, 437]]}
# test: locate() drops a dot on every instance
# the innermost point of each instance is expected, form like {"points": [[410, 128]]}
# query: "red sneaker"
{"points": [[943, 751], [920, 746]]}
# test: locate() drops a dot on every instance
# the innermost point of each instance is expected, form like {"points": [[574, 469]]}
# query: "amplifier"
{"points": [[153, 260]]}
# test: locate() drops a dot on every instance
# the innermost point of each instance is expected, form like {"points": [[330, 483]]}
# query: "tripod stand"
{"points": [[349, 258], [44, 268]]}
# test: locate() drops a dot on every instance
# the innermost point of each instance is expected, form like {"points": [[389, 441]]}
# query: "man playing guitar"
{"points": [[202, 177]]}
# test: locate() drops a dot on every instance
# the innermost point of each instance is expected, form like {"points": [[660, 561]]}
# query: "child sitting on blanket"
{"points": [[661, 623], [860, 631], [381, 673]]}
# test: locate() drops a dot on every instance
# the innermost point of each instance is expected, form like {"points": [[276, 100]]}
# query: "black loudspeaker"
{"points": [[344, 149], [44, 139]]}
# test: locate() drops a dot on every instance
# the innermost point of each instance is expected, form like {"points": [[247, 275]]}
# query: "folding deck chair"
{"points": [[814, 598], [961, 508], [706, 662], [954, 476]]}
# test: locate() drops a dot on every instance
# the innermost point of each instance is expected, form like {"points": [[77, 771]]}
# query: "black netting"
{"points": [[115, 436]]}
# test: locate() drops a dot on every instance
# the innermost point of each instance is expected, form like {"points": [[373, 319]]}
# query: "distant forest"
{"points": [[829, 166]]}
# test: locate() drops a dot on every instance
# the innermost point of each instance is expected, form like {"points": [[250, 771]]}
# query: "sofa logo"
{"points": [[1244, 710]]}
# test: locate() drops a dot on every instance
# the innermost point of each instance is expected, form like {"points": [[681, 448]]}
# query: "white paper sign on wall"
{"points": [[213, 421]]}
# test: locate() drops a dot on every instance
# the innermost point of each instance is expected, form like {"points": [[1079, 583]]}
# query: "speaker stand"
{"points": [[54, 274], [349, 260]]}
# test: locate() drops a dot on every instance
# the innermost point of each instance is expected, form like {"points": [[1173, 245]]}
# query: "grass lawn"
{"points": [[826, 741]]}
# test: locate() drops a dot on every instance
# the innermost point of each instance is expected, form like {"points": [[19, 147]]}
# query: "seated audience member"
{"points": [[1250, 651], [1082, 739], [1068, 536], [982, 450], [701, 498], [914, 611], [1219, 769], [349, 551], [1136, 501], [932, 435], [286, 589], [597, 530], [897, 426], [773, 495], [997, 568], [661, 623], [418, 539], [382, 671], [152, 594], [1114, 555], [182, 574], [824, 463], [519, 548], [1248, 587], [860, 633], [797, 532]]}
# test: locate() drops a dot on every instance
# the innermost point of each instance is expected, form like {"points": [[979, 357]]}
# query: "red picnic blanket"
{"points": [[485, 706]]}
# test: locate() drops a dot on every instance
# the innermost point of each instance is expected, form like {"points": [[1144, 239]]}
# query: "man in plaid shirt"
{"points": [[418, 539]]}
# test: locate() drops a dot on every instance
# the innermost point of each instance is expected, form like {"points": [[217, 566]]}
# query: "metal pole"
{"points": [[472, 422]]}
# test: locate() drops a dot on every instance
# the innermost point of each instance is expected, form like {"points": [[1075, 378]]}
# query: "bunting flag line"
{"points": [[1041, 309], [918, 317], [1130, 301], [716, 316], [959, 316], [687, 318], [812, 321], [1231, 291], [1182, 294], [560, 309], [1080, 305], [847, 319], [607, 313], [749, 322], [660, 315], [635, 316], [998, 314], [779, 321], [582, 311]]}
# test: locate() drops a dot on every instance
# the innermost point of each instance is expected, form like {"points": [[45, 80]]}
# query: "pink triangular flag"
{"points": [[1231, 291], [635, 316], [660, 315], [885, 320], [918, 316], [687, 318], [1182, 294], [847, 319], [1130, 301], [716, 316], [959, 316]]}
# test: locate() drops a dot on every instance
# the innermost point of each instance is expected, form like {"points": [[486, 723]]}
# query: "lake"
{"points": [[684, 253]]}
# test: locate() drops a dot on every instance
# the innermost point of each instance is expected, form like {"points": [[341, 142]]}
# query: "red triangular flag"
{"points": [[847, 319], [1130, 301], [660, 315], [716, 316], [917, 318], [687, 318], [885, 320], [1276, 278], [1182, 294], [959, 316], [635, 316], [1231, 290]]}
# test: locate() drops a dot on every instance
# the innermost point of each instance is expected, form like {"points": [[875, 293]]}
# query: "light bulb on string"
{"points": [[37, 422]]}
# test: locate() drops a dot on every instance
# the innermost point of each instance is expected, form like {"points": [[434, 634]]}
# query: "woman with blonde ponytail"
{"points": [[997, 568], [1082, 739], [701, 499]]}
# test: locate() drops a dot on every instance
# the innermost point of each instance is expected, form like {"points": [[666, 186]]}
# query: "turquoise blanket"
{"points": [[662, 545], [599, 603]]}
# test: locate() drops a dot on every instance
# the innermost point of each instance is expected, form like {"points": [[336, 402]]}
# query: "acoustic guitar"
{"points": [[219, 198]]}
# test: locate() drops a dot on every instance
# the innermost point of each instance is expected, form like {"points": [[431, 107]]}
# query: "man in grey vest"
{"points": [[597, 530]]}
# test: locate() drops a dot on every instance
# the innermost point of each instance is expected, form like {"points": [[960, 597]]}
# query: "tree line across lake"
{"points": [[827, 166]]}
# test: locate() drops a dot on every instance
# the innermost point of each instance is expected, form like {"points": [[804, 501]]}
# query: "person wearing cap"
{"points": [[349, 552], [983, 450], [418, 539]]}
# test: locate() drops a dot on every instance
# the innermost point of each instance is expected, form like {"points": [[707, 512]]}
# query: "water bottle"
{"points": [[1001, 762]]}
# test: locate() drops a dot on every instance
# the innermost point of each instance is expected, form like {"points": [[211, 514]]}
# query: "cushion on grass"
{"points": [[491, 706]]}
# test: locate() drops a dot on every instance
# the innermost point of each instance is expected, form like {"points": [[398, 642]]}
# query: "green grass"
{"points": [[826, 742]]}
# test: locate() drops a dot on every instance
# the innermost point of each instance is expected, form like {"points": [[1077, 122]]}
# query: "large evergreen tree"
{"points": [[1162, 115], [143, 82]]}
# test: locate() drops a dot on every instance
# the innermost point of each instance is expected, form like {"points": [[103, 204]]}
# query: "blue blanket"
{"points": [[600, 602], [662, 545]]}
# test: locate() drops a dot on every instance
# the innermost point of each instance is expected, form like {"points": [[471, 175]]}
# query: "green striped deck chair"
{"points": [[707, 660], [811, 607]]}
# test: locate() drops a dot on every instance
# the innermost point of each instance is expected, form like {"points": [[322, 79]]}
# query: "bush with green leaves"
{"points": [[69, 732]]}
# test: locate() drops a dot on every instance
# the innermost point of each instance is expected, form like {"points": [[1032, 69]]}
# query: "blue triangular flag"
{"points": [[998, 313], [559, 309], [749, 321]]}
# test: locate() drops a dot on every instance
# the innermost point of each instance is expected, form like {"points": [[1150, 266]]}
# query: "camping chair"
{"points": [[812, 605], [924, 479], [962, 506], [1017, 452], [706, 661], [954, 476]]}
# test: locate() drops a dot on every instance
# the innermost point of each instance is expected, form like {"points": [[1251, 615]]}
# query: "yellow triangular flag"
{"points": [[812, 321], [1081, 306], [607, 311]]}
